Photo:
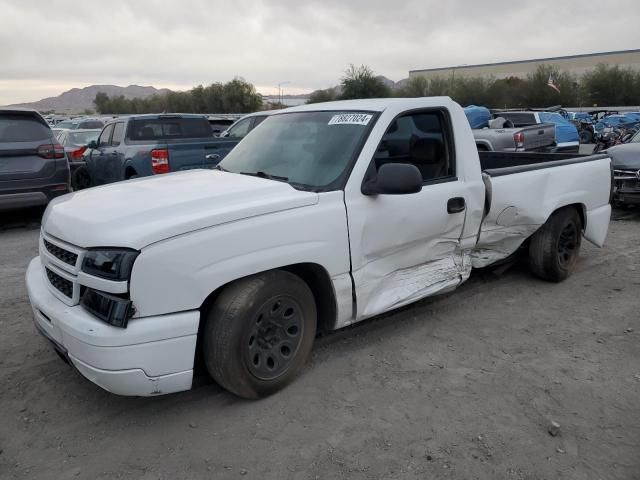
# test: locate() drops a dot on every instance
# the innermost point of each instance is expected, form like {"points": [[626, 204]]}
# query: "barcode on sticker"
{"points": [[350, 119]]}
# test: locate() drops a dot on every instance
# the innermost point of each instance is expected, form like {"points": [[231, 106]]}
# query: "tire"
{"points": [[554, 248], [586, 136], [259, 333], [80, 178]]}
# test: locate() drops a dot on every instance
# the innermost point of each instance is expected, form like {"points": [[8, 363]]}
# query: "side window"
{"points": [[420, 139], [240, 129], [118, 133], [105, 136], [257, 121]]}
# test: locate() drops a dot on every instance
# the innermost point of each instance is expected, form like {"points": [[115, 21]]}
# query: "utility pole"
{"points": [[280, 89]]}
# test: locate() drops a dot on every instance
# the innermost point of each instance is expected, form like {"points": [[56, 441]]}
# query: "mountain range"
{"points": [[77, 100]]}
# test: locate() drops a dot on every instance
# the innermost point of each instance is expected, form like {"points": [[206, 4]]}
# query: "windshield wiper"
{"points": [[266, 175]]}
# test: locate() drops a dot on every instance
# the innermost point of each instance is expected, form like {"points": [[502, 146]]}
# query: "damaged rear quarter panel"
{"points": [[522, 202]]}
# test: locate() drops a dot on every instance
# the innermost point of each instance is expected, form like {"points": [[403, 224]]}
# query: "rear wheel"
{"points": [[554, 248], [586, 136], [259, 333], [80, 178]]}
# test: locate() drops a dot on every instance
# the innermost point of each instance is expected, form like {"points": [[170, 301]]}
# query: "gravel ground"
{"points": [[461, 386]]}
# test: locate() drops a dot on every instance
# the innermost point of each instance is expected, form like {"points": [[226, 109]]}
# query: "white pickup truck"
{"points": [[323, 216]]}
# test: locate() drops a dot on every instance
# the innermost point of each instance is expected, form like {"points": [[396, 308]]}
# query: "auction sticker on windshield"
{"points": [[350, 119]]}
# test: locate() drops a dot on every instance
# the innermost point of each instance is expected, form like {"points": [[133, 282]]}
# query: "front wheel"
{"points": [[554, 248], [259, 333]]}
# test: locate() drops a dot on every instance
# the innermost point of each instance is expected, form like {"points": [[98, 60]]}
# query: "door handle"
{"points": [[212, 156], [114, 153], [456, 205]]}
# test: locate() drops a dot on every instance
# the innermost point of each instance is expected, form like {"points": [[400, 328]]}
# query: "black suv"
{"points": [[33, 165]]}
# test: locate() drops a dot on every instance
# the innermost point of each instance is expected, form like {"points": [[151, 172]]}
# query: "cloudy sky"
{"points": [[48, 46]]}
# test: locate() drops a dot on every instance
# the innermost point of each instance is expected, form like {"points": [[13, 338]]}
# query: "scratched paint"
{"points": [[405, 286]]}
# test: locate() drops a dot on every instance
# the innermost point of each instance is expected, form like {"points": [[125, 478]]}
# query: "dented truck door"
{"points": [[407, 246]]}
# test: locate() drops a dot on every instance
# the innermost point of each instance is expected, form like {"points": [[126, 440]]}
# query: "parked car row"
{"points": [[598, 126], [522, 130], [144, 145]]}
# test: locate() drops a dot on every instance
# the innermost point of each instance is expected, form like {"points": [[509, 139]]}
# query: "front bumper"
{"points": [[11, 199], [152, 356], [626, 192]]}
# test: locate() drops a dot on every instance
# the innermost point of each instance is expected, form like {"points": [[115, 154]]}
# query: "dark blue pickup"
{"points": [[144, 145]]}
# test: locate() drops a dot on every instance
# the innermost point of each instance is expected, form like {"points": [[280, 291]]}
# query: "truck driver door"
{"points": [[405, 247]]}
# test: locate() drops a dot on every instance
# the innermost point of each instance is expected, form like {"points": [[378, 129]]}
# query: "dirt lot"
{"points": [[463, 386]]}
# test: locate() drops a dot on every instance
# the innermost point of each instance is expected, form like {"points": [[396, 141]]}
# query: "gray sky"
{"points": [[48, 46]]}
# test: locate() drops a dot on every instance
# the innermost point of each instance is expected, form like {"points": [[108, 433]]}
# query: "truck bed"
{"points": [[535, 138], [522, 190], [507, 163]]}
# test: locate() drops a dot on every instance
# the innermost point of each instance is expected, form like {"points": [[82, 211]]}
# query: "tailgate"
{"points": [[186, 156], [20, 161], [198, 154], [539, 136], [21, 133]]}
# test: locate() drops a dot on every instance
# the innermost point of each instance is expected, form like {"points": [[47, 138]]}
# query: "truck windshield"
{"points": [[308, 149]]}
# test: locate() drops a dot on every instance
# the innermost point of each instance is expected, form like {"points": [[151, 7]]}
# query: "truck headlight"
{"points": [[109, 263]]}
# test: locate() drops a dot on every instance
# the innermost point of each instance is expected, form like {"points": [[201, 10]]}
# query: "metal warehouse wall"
{"points": [[577, 64]]}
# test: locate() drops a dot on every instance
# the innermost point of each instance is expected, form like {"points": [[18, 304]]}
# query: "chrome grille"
{"points": [[62, 284], [66, 256]]}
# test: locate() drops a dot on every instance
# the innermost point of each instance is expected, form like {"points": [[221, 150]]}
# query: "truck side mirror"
{"points": [[394, 179], [92, 144]]}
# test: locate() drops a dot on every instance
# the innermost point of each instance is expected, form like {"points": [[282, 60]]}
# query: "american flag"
{"points": [[552, 82]]}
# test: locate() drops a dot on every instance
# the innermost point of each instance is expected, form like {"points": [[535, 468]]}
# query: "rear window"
{"points": [[552, 117], [91, 124], [83, 138], [168, 128], [519, 119], [22, 128], [67, 124]]}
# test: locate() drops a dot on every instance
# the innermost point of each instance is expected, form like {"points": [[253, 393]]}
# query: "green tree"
{"points": [[238, 96], [100, 102], [327, 95], [360, 82], [611, 86], [415, 87], [540, 94], [472, 91]]}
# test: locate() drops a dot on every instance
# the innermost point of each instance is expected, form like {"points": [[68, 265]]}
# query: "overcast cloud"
{"points": [[52, 45]]}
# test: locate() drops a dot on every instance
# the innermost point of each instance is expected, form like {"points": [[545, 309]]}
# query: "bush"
{"points": [[236, 96]]}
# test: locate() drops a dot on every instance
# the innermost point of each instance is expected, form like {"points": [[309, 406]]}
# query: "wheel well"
{"points": [[318, 280], [580, 208], [321, 286], [314, 275], [129, 171]]}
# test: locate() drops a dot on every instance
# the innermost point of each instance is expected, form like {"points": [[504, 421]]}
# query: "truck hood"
{"points": [[626, 156], [140, 212]]}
